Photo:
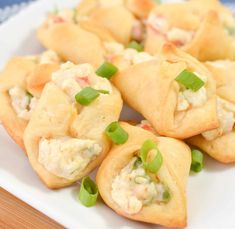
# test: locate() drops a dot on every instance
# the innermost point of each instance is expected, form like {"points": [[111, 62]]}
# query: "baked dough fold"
{"points": [[201, 31], [174, 173], [220, 143], [150, 88], [57, 120], [21, 76]]}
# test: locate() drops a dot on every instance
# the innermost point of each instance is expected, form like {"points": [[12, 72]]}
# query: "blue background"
{"points": [[4, 3]]}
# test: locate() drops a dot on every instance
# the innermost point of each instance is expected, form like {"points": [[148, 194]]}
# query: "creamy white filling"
{"points": [[22, 103], [133, 56], [226, 115], [73, 78], [113, 48], [67, 157], [189, 98], [133, 188], [175, 35]]}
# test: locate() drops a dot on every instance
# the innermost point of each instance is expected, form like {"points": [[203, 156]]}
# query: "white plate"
{"points": [[211, 194]]}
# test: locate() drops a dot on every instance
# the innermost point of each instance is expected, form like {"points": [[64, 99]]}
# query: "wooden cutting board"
{"points": [[16, 214]]}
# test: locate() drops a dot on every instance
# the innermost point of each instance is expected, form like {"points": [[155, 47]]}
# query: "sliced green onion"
{"points": [[166, 196], [197, 161], [116, 133], [103, 91], [56, 10], [157, 1], [29, 95], [86, 96], [137, 163], [190, 80], [230, 30], [141, 179], [135, 45], [107, 70], [154, 165], [75, 14], [88, 192]]}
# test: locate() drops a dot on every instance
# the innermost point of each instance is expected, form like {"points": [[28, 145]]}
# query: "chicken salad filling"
{"points": [[133, 188], [66, 157], [226, 115], [22, 102], [73, 78], [178, 36]]}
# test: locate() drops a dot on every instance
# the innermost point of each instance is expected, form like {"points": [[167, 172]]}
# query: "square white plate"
{"points": [[211, 194]]}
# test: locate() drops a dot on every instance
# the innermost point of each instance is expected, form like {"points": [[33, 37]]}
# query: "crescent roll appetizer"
{"points": [[200, 32], [220, 143], [145, 179], [21, 83], [225, 14], [171, 93], [112, 14], [140, 8], [73, 40], [65, 136]]}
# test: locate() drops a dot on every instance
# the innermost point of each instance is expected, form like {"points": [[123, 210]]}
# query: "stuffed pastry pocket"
{"points": [[176, 93], [65, 136], [79, 41], [198, 32], [220, 143], [141, 190], [20, 90]]}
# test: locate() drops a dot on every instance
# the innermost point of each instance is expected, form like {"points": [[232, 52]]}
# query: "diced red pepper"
{"points": [[83, 81], [58, 19]]}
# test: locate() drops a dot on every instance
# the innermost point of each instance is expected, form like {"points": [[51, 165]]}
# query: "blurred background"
{"points": [[11, 7]]}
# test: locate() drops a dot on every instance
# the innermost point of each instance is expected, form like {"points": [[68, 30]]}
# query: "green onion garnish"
{"points": [[230, 30], [135, 45], [157, 1], [86, 96], [107, 70], [197, 161], [190, 80], [29, 95], [116, 133], [166, 196], [88, 192], [75, 14], [137, 163], [154, 165], [103, 91]]}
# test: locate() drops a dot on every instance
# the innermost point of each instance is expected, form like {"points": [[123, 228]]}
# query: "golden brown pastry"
{"points": [[220, 143], [123, 18], [225, 14], [140, 8], [65, 140], [175, 111], [76, 41], [200, 31], [134, 192], [21, 83]]}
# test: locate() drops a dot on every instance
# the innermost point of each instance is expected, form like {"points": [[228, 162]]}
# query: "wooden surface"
{"points": [[16, 214]]}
